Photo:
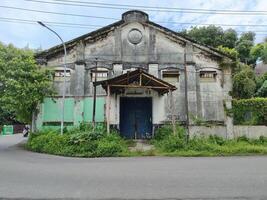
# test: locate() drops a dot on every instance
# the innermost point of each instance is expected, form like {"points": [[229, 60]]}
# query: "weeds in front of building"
{"points": [[176, 144], [84, 141]]}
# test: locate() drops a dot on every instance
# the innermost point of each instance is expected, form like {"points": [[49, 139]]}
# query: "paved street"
{"points": [[31, 175]]}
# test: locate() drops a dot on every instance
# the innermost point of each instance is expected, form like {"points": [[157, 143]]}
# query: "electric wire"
{"points": [[110, 18], [119, 7], [82, 26], [160, 7]]}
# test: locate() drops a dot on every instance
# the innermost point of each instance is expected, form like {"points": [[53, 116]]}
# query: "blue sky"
{"points": [[36, 36]]}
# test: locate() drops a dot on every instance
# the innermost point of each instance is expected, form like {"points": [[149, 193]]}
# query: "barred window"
{"points": [[60, 73], [170, 76], [208, 75], [99, 73]]}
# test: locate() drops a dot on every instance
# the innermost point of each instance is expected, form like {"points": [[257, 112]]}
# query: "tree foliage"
{"points": [[243, 48], [244, 45], [244, 84], [261, 86], [259, 52], [250, 111], [213, 36], [23, 83], [229, 38]]}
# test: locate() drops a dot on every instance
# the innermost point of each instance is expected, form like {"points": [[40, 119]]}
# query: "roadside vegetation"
{"points": [[170, 144], [83, 141]]}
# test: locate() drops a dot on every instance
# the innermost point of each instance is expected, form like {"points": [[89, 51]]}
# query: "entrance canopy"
{"points": [[136, 79]]}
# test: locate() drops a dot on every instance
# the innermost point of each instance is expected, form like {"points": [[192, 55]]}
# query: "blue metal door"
{"points": [[136, 117]]}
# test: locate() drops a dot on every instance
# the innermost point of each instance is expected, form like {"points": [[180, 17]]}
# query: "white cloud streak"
{"points": [[35, 36]]}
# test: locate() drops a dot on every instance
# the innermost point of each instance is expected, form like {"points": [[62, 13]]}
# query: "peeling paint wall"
{"points": [[138, 44]]}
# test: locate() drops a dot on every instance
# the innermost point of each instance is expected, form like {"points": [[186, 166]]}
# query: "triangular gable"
{"points": [[111, 27], [136, 79]]}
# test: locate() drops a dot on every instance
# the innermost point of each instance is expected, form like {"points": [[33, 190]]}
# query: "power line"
{"points": [[215, 24], [75, 25], [34, 23], [160, 7], [109, 18], [49, 22], [78, 25], [145, 8], [57, 13]]}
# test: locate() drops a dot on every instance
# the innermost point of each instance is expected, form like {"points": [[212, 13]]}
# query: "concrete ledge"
{"points": [[250, 131], [207, 130], [238, 130]]}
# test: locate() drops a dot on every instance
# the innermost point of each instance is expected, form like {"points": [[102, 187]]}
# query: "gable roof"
{"points": [[108, 28], [136, 79]]}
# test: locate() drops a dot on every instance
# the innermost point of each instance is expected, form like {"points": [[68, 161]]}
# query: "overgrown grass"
{"points": [[171, 144], [83, 141]]}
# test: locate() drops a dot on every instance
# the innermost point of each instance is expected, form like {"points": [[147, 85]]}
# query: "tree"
{"points": [[244, 84], [23, 83], [6, 117], [256, 52], [244, 46], [250, 36], [213, 36], [234, 62], [229, 38], [259, 52], [262, 91], [261, 86], [208, 35]]}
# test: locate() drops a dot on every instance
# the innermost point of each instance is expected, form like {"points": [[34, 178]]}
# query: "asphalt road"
{"points": [[37, 176]]}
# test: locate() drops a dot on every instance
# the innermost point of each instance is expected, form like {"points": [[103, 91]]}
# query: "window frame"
{"points": [[171, 73], [208, 76], [100, 71]]}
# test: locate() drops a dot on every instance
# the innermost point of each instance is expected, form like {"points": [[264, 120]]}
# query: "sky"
{"points": [[36, 36]]}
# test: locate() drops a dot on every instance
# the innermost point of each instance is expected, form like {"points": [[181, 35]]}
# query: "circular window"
{"points": [[135, 36]]}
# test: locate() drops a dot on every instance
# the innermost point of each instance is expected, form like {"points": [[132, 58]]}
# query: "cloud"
{"points": [[35, 36]]}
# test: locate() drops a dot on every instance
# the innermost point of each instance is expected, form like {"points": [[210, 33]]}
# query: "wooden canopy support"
{"points": [[136, 79], [138, 86]]}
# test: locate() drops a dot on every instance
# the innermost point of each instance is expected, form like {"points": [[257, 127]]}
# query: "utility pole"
{"points": [[64, 83], [186, 96], [94, 99]]}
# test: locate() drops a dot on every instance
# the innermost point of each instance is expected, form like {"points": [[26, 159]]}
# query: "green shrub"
{"points": [[111, 145], [171, 143], [165, 140], [250, 111], [168, 143], [81, 141]]}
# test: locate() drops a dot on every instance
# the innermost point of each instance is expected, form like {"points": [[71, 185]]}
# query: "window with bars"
{"points": [[60, 73], [208, 75], [170, 76], [99, 74]]}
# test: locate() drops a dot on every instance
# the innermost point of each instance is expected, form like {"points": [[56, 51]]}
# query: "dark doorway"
{"points": [[136, 117]]}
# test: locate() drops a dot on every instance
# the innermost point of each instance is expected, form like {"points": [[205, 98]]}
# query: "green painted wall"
{"points": [[88, 109], [52, 110], [77, 110]]}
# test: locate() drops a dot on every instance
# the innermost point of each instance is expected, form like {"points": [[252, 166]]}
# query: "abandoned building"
{"points": [[145, 75]]}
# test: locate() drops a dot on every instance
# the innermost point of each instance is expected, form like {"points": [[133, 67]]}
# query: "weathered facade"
{"points": [[134, 43]]}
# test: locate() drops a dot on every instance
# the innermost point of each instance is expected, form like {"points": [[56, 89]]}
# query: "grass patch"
{"points": [[83, 141], [169, 144]]}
